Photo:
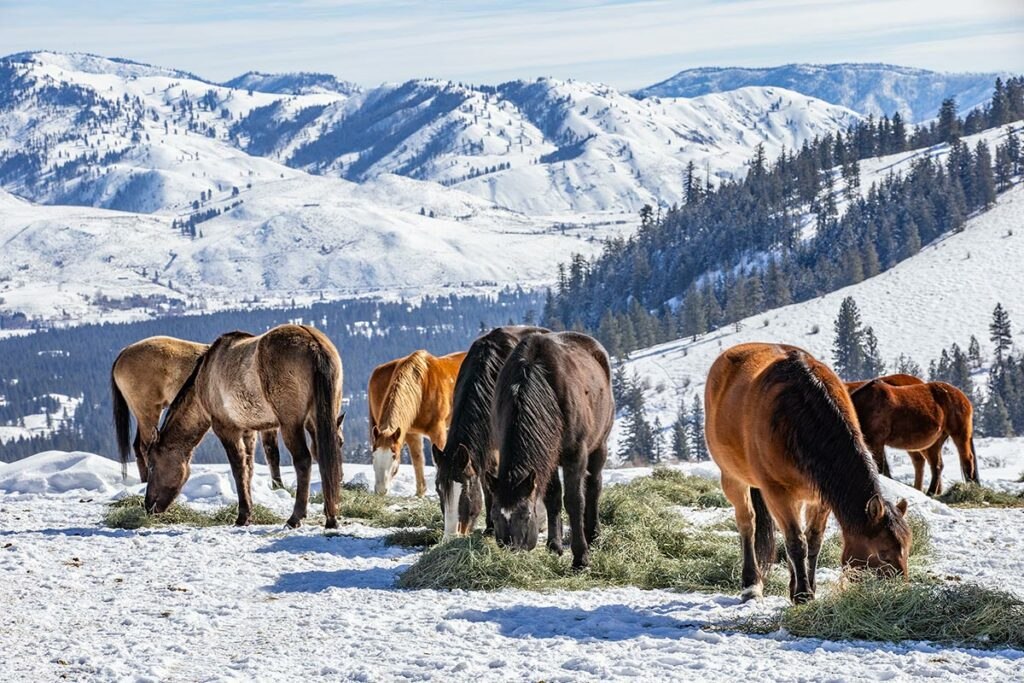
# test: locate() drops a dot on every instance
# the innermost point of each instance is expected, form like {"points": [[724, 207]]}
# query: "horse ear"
{"points": [[341, 419], [461, 457], [492, 481], [875, 509], [375, 432], [525, 486], [902, 507]]}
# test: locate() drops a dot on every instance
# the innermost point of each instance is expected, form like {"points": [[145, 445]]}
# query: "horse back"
{"points": [[150, 372]]}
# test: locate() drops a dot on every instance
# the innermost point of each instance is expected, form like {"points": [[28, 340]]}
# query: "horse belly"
{"points": [[913, 431]]}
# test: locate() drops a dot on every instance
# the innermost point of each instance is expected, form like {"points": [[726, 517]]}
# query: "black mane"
{"points": [[190, 381]]}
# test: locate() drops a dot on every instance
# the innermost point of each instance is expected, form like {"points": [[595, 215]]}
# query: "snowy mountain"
{"points": [[941, 296], [866, 88], [300, 83]]}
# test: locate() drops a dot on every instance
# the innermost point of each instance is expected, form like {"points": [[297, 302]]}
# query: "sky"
{"points": [[625, 43]]}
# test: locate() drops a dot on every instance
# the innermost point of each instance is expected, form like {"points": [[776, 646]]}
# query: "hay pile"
{"points": [[973, 495], [130, 513]]}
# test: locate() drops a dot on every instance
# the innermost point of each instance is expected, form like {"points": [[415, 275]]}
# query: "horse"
{"points": [[144, 379], [409, 398], [553, 405], [896, 380], [469, 449], [782, 429], [288, 378], [917, 418]]}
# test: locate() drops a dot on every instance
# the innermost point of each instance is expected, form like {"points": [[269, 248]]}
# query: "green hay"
{"points": [[414, 538], [130, 513], [644, 542], [971, 495], [892, 611]]}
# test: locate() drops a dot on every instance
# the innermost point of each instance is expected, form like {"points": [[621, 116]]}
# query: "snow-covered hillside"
{"points": [[866, 88], [263, 603], [944, 294]]}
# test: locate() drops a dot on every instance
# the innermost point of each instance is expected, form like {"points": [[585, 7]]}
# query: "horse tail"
{"points": [[974, 461], [122, 423], [327, 448], [764, 534]]}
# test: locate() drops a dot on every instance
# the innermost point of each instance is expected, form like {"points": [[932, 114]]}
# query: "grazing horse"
{"points": [[409, 398], [144, 380], [469, 450], [782, 429], [553, 406], [917, 418], [896, 380], [289, 379]]}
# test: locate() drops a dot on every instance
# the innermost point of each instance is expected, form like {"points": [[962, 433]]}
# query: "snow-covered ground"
{"points": [[178, 604]]}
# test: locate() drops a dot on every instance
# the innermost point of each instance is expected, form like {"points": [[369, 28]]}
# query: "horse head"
{"points": [[883, 546], [458, 489], [168, 470], [387, 455], [514, 512]]}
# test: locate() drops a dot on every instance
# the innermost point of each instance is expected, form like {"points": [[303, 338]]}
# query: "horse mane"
{"points": [[404, 393], [527, 407], [475, 389], [190, 381], [826, 445]]}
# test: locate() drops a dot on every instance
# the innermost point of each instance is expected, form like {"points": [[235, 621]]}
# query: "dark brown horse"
{"points": [[470, 450], [782, 429], [917, 418], [144, 379], [289, 379], [553, 406]]}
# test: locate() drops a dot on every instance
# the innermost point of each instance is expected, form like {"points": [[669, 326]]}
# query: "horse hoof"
{"points": [[293, 522], [554, 547], [752, 593], [242, 521], [331, 523], [802, 598], [581, 563]]}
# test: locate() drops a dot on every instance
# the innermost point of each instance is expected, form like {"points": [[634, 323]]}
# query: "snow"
{"points": [[36, 423], [264, 603], [941, 296]]}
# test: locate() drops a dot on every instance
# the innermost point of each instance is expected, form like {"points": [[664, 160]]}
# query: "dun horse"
{"points": [[144, 380], [409, 398], [289, 379], [553, 406], [469, 450], [917, 418], [782, 429]]}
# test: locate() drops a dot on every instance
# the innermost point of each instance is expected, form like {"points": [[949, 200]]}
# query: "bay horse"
{"points": [[409, 398], [553, 406], [897, 380], [144, 379], [918, 418], [469, 449], [288, 378], [782, 428]]}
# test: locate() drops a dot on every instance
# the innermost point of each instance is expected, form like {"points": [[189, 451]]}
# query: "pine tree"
{"points": [[847, 348], [995, 418], [698, 444], [974, 353], [999, 331], [984, 184], [949, 122], [874, 366], [681, 449], [908, 366]]}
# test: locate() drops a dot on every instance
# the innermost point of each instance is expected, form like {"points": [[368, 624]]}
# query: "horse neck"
{"points": [[402, 400], [186, 425]]}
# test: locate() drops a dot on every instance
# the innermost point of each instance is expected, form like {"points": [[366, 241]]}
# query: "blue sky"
{"points": [[626, 43]]}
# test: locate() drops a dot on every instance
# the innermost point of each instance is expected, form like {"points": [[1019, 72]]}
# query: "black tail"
{"points": [[764, 534], [973, 474], [122, 425], [328, 452]]}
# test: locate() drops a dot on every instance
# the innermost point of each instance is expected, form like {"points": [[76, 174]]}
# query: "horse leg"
{"points": [[140, 458], [235, 446], [878, 453], [575, 507], [145, 427], [553, 505], [787, 514], [272, 453], [816, 517], [415, 444], [917, 458], [295, 441], [738, 494], [968, 464], [934, 456], [595, 464]]}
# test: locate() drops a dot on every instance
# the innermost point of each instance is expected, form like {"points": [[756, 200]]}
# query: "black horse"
{"points": [[470, 449], [553, 406]]}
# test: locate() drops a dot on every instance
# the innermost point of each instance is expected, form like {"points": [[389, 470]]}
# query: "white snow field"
{"points": [[83, 602]]}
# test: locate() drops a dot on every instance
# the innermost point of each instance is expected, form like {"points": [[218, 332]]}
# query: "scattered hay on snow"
{"points": [[130, 513]]}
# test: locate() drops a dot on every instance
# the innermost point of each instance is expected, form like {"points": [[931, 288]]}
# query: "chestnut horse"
{"points": [[469, 450], [782, 429], [917, 418], [144, 380], [409, 398], [553, 406], [288, 378]]}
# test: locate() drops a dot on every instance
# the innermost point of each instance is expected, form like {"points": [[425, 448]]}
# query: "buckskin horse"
{"points": [[409, 398], [288, 378], [469, 451], [917, 417], [782, 429], [144, 379], [553, 406]]}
